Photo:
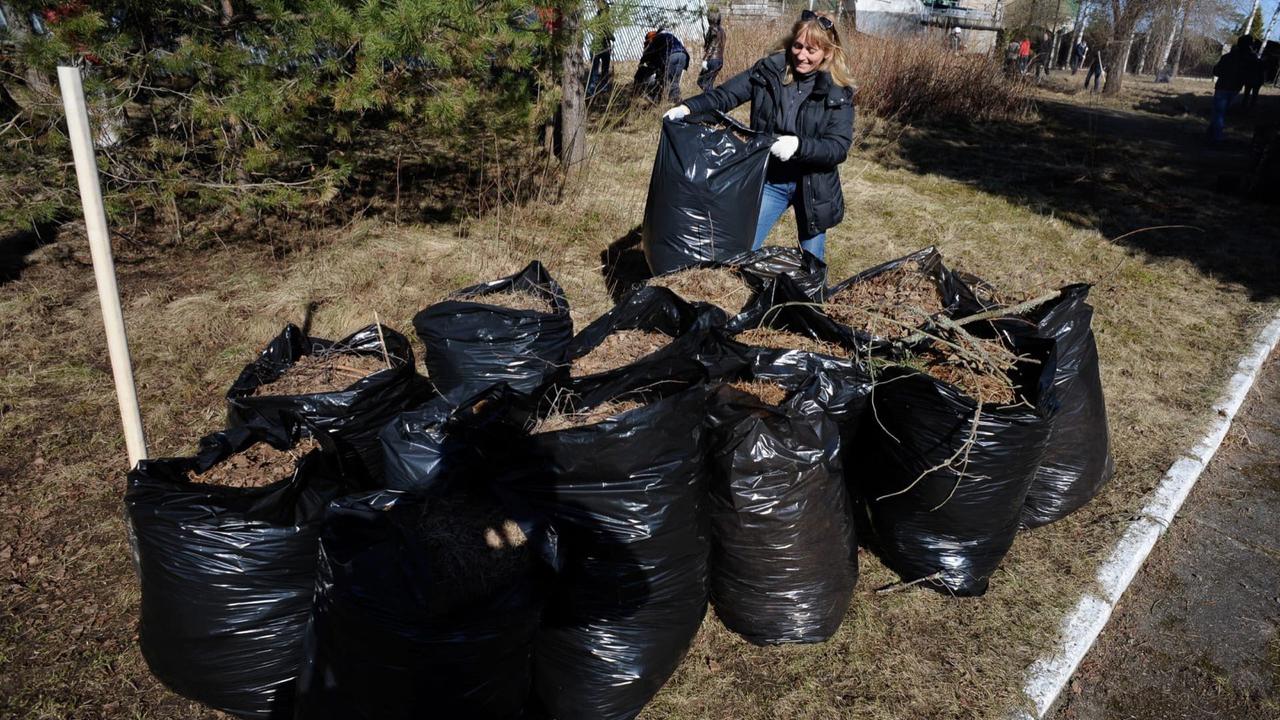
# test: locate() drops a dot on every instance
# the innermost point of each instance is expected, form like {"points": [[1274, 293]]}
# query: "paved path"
{"points": [[1196, 635]]}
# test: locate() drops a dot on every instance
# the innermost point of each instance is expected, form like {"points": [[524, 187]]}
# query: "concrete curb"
{"points": [[1050, 674]]}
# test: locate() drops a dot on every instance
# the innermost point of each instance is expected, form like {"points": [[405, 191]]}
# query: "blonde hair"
{"points": [[835, 61]]}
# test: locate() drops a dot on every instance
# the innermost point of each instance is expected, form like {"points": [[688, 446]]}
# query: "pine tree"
{"points": [[266, 106]]}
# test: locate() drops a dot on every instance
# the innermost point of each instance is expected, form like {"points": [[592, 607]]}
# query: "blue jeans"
{"points": [[1221, 101], [775, 201]]}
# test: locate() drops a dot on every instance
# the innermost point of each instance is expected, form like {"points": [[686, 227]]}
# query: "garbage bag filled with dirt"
{"points": [[425, 607], [643, 324], [890, 300], [623, 485], [349, 389], [784, 550], [424, 448], [514, 330], [1077, 461], [225, 548], [704, 193], [944, 476]]}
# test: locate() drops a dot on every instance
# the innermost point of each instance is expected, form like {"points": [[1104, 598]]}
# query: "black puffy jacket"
{"points": [[824, 126]]}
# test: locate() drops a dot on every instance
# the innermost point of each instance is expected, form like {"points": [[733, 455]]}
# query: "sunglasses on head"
{"points": [[823, 21]]}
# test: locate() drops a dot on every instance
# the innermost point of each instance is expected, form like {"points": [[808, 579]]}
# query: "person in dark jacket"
{"points": [[1231, 72], [662, 63], [1096, 69], [1078, 54], [1254, 76], [803, 96], [712, 51]]}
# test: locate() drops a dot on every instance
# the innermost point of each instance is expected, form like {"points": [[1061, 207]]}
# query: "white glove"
{"points": [[785, 146], [676, 113], [704, 64]]}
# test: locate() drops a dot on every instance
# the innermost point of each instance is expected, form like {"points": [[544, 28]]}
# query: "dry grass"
{"points": [[888, 305], [566, 418], [908, 79], [784, 340], [322, 373], [512, 300], [1168, 329], [617, 350], [766, 392], [718, 286]]}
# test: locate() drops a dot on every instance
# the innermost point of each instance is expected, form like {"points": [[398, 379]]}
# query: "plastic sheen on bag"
{"points": [[353, 417], [784, 550], [704, 193], [227, 575], [943, 483], [472, 346], [625, 497]]}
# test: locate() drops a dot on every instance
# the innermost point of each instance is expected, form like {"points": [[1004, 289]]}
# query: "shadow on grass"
{"points": [[1119, 172], [623, 265], [17, 246]]}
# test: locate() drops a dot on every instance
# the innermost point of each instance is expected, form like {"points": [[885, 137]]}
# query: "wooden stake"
{"points": [[95, 221]]}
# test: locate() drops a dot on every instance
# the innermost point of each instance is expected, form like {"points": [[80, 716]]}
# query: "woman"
{"points": [[802, 95]]}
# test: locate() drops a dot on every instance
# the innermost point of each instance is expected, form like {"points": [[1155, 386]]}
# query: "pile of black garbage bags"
{"points": [[321, 595]]}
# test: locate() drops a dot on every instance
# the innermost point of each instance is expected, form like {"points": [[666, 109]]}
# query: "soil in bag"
{"points": [[225, 548], [514, 330], [348, 389], [623, 486]]}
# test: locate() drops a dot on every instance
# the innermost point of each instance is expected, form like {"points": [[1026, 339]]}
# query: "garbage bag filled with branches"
{"points": [[784, 550], [623, 483], [426, 606], [513, 330], [951, 443], [1077, 460], [704, 193], [348, 389], [225, 547], [889, 301]]}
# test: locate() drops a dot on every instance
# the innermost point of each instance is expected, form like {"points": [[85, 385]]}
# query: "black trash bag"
{"points": [[425, 448], [1077, 461], [704, 194], [418, 615], [929, 262], [784, 549], [353, 417], [227, 574], [472, 346], [806, 270], [944, 495], [652, 309], [625, 496]]}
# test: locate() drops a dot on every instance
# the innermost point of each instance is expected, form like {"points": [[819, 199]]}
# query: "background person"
{"points": [[662, 63], [1096, 68], [1254, 75], [712, 51], [802, 95], [1231, 72]]}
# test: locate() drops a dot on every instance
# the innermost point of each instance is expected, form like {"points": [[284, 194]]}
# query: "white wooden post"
{"points": [[95, 222]]}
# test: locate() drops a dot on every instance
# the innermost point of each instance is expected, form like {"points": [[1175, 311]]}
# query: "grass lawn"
{"points": [[1029, 205]]}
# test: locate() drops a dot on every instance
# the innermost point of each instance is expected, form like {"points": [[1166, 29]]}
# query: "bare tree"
{"points": [[1125, 15]]}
